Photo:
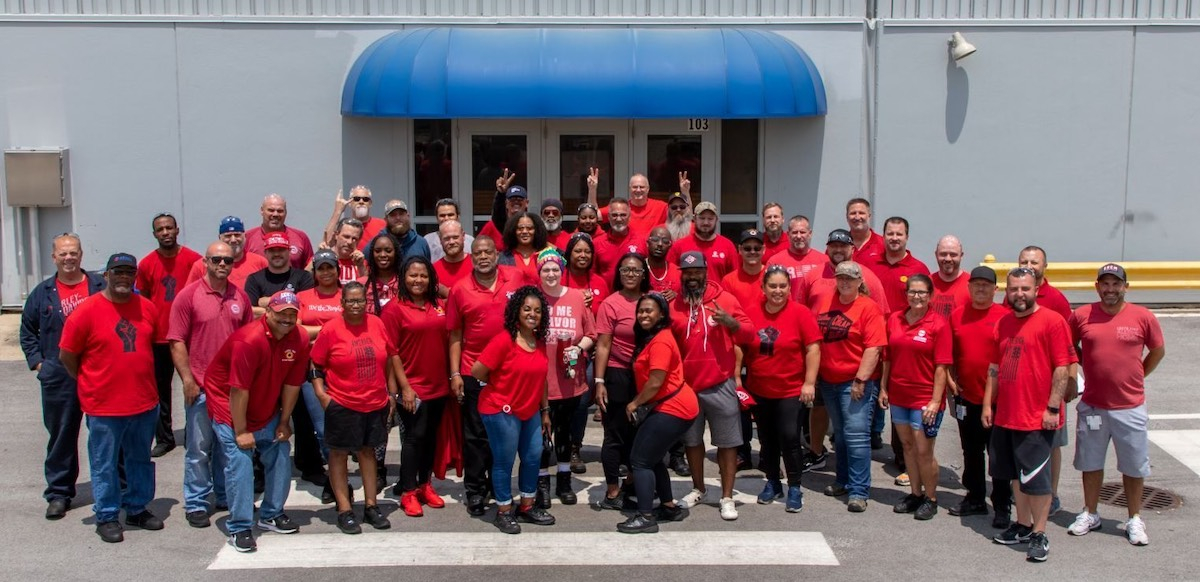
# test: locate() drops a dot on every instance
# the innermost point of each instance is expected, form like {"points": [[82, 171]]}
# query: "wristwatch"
{"points": [[1053, 409]]}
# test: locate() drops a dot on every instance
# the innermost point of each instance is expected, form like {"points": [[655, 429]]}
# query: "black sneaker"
{"points": [[198, 518], [1015, 534], [876, 441], [327, 494], [927, 510], [280, 524], [638, 524], [814, 462], [161, 449], [1002, 519], [614, 503], [506, 522], [968, 508], [1039, 547], [476, 504], [374, 518], [680, 466], [243, 541], [542, 499], [668, 513], [535, 515], [110, 532], [908, 504], [348, 523], [835, 490], [562, 489], [144, 520]]}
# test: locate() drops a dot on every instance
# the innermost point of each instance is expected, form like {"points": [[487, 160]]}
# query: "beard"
{"points": [[679, 226], [361, 212], [552, 225], [694, 295]]}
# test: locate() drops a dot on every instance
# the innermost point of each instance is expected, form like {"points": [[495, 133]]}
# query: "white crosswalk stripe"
{"points": [[1184, 445]]}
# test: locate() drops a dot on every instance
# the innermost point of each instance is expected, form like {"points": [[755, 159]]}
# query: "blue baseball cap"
{"points": [[121, 260], [231, 224]]}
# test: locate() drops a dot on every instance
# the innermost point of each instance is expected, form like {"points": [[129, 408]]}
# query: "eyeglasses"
{"points": [[1021, 272], [752, 249], [355, 301], [917, 292], [360, 198], [221, 260], [632, 271]]}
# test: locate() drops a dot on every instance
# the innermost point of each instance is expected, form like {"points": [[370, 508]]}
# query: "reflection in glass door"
{"points": [[493, 148], [576, 145]]}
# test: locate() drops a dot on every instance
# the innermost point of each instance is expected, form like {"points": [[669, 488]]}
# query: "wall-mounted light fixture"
{"points": [[959, 47]]}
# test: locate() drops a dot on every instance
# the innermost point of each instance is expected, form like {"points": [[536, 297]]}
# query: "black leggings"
{"points": [[420, 442], [654, 437], [618, 433], [562, 412], [779, 422]]}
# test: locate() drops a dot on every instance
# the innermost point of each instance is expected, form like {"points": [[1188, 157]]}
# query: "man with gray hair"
{"points": [[274, 214]]}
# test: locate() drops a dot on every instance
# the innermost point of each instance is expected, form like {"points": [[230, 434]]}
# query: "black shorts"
{"points": [[1023, 455], [350, 430]]}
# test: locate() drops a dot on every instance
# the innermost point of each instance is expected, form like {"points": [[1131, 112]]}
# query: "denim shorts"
{"points": [[912, 417]]}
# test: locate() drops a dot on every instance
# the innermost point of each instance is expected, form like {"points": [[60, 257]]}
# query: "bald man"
{"points": [[949, 282], [274, 214]]}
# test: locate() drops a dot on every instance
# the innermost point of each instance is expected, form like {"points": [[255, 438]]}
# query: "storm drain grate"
{"points": [[1153, 498]]}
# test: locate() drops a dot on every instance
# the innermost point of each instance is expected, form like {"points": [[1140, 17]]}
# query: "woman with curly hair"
{"points": [[663, 410], [524, 237], [514, 367], [382, 283]]}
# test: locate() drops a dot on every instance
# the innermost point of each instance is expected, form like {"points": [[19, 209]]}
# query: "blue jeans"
{"points": [[851, 421], [203, 464], [239, 474], [108, 436], [508, 436], [317, 414]]}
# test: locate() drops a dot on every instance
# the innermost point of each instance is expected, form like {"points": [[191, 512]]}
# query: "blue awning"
{"points": [[727, 73]]}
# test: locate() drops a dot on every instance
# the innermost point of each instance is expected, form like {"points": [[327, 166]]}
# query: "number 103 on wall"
{"points": [[699, 124]]}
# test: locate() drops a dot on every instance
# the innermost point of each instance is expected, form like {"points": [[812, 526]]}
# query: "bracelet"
{"points": [[599, 380], [456, 375], [546, 409]]}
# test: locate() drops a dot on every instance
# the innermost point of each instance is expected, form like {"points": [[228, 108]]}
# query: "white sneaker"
{"points": [[1084, 523], [1135, 530], [728, 509], [693, 498]]}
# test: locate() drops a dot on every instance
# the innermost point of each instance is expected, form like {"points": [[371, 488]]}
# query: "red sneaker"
{"points": [[411, 505], [430, 497]]}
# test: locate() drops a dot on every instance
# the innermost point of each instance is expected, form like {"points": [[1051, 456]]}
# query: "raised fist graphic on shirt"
{"points": [[128, 334]]}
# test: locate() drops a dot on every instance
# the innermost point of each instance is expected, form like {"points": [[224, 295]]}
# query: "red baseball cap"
{"points": [[277, 240]]}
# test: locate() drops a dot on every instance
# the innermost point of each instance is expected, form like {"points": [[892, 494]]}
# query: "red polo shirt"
{"points": [[894, 277], [114, 342], [355, 361], [771, 249], [254, 361], [479, 313], [949, 295], [160, 279], [974, 333], [915, 350], [610, 249], [203, 319], [248, 265], [301, 247], [720, 254], [371, 227], [420, 338], [450, 274], [1027, 351], [516, 377], [559, 240], [874, 247], [592, 282]]}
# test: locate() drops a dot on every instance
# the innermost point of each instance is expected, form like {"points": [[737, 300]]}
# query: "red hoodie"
{"points": [[707, 346]]}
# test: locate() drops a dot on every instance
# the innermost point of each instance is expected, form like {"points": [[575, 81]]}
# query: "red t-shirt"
{"points": [[775, 358], [770, 249], [948, 296], [114, 342], [610, 249], [490, 230], [254, 361], [318, 309], [1113, 348], [1027, 351], [617, 318], [347, 271], [516, 378], [1049, 297], [355, 362], [799, 267], [720, 254], [974, 333], [894, 277], [449, 274], [388, 291], [420, 337], [70, 296], [709, 345], [664, 280], [479, 313], [569, 322], [819, 286], [662, 353], [592, 282], [559, 240], [643, 219], [874, 247], [301, 250], [160, 279], [250, 264], [744, 287], [203, 319], [915, 351], [847, 330], [371, 228]]}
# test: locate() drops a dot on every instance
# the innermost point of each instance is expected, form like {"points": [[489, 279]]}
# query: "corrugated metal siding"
{"points": [[1039, 9]]}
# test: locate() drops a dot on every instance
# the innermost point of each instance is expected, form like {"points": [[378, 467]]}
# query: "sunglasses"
{"points": [[360, 198], [221, 260]]}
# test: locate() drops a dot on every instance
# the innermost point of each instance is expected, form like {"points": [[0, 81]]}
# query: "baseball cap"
{"points": [[839, 235], [394, 205], [680, 196], [1112, 269], [121, 260], [552, 202], [324, 257], [277, 240], [283, 300], [516, 192], [986, 273], [701, 207], [692, 260], [231, 224], [848, 269], [750, 234]]}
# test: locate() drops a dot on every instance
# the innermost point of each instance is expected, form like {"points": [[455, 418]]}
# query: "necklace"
{"points": [[656, 277]]}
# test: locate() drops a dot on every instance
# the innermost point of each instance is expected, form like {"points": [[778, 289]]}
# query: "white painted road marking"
{"points": [[550, 548], [1175, 416], [1184, 445]]}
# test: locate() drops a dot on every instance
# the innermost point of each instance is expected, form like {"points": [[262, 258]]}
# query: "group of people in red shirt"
{"points": [[493, 355]]}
